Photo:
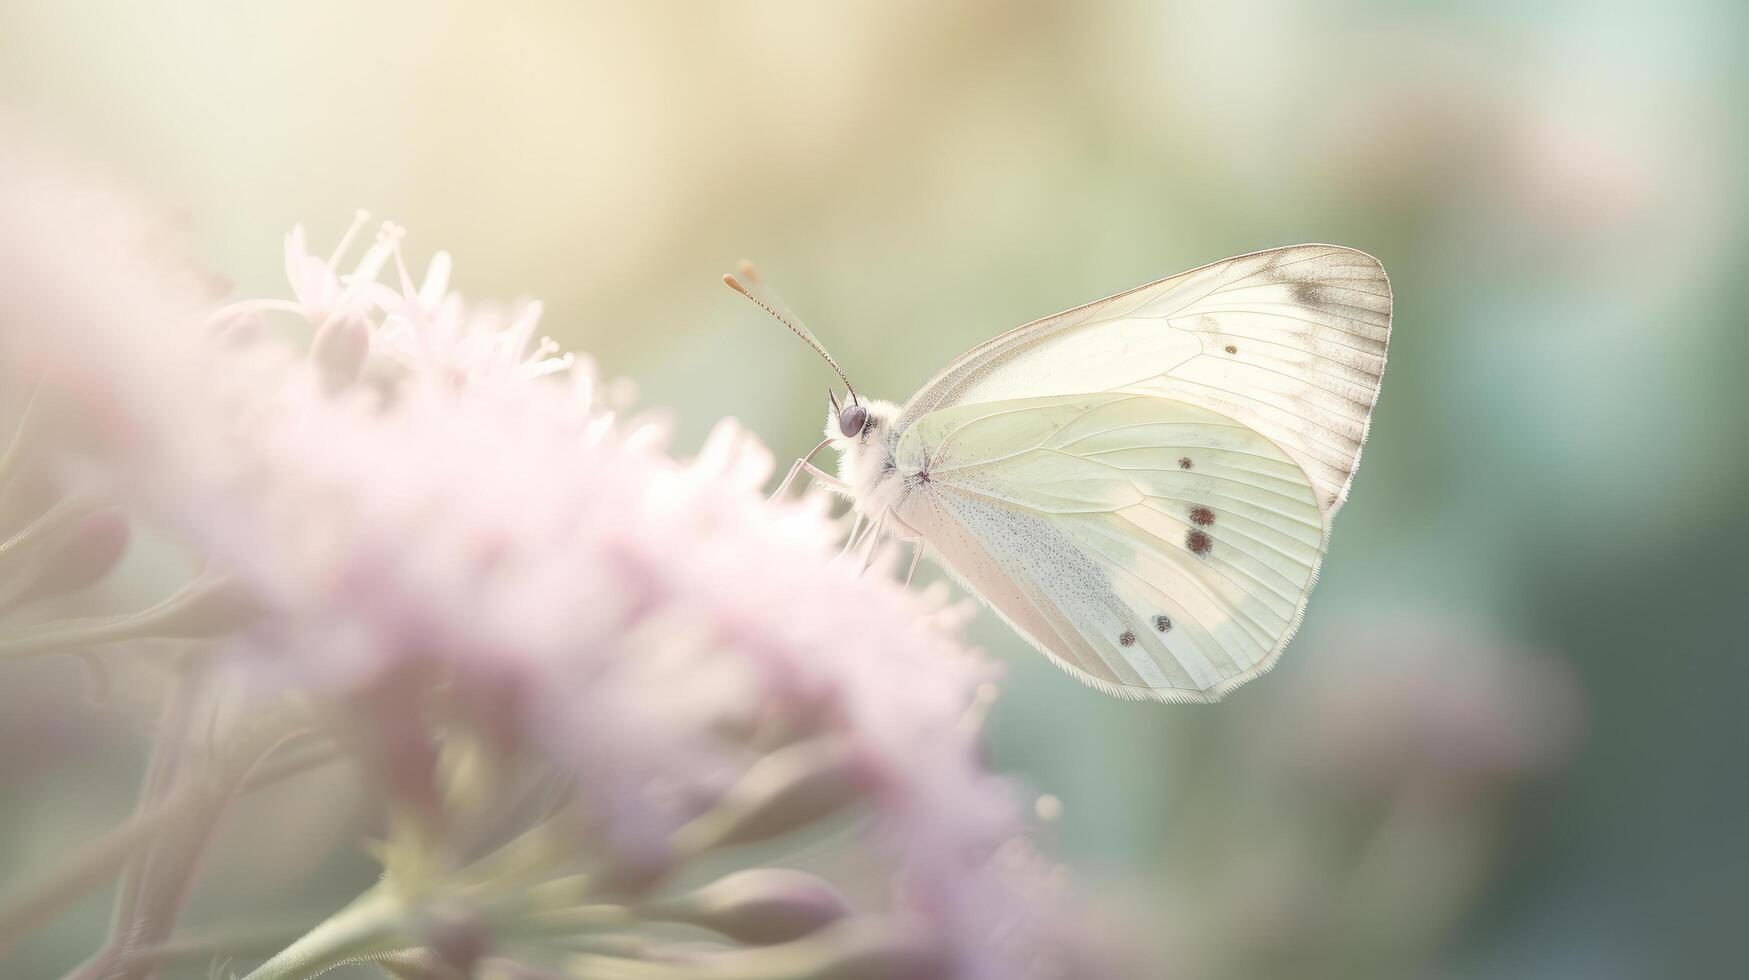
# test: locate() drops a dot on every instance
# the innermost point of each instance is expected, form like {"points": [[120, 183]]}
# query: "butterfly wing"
{"points": [[1153, 548], [1290, 342], [1143, 486]]}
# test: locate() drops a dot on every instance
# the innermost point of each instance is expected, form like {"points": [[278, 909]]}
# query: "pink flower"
{"points": [[472, 527], [322, 292]]}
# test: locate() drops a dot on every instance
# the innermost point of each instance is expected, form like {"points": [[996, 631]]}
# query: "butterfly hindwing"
{"points": [[1153, 547]]}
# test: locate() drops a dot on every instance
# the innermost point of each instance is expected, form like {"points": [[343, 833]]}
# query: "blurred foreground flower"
{"points": [[590, 682]]}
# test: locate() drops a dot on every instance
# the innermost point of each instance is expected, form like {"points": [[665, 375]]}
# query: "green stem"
{"points": [[373, 924]]}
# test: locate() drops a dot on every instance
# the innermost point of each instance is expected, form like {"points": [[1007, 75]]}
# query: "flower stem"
{"points": [[203, 607], [57, 517], [99, 861], [162, 769], [372, 924], [95, 864]]}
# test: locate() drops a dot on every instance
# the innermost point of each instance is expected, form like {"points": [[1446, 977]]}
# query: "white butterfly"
{"points": [[1142, 487]]}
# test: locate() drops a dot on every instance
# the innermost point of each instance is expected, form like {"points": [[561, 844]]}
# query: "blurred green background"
{"points": [[1508, 741]]}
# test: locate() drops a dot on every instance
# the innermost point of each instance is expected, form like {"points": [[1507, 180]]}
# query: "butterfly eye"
{"points": [[852, 420]]}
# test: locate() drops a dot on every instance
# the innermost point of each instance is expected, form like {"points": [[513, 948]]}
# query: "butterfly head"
{"points": [[858, 422], [865, 433], [851, 425], [847, 422]]}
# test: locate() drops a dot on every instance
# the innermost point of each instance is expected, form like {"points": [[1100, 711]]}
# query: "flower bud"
{"points": [[759, 906], [458, 937], [863, 948], [788, 789]]}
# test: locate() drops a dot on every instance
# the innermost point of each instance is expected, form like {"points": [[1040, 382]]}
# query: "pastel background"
{"points": [[1509, 739]]}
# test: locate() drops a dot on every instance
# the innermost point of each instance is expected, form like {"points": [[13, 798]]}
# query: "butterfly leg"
{"points": [[906, 532], [812, 470], [850, 541], [874, 539], [891, 523]]}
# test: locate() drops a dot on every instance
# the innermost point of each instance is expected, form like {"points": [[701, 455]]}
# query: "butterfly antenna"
{"points": [[764, 298]]}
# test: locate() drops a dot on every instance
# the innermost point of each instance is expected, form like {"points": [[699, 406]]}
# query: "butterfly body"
{"points": [[1143, 487], [868, 461]]}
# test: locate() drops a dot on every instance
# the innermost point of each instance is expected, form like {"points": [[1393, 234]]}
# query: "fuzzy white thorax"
{"points": [[866, 462]]}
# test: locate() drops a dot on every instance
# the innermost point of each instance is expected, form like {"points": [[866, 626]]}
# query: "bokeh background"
{"points": [[1509, 740]]}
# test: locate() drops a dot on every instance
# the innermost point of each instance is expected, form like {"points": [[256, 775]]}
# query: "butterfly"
{"points": [[1142, 487]]}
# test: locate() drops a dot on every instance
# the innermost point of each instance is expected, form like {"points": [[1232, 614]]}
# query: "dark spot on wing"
{"points": [[1198, 542], [1184, 462], [1231, 349], [1127, 639], [1202, 516], [1308, 294], [1162, 623]]}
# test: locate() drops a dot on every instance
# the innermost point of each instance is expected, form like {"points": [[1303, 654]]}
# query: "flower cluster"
{"points": [[428, 519]]}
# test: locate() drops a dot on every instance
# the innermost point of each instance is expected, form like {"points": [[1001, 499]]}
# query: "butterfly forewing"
{"points": [[1290, 342]]}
